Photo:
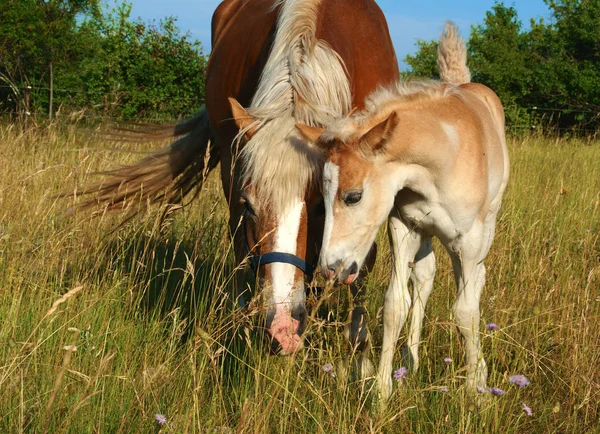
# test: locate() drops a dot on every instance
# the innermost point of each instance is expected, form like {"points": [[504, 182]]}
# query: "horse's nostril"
{"points": [[353, 268]]}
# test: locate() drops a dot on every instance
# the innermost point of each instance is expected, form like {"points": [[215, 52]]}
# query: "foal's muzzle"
{"points": [[340, 273]]}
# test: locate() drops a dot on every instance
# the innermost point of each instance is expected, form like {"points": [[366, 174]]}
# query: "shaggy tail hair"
{"points": [[452, 57], [165, 176]]}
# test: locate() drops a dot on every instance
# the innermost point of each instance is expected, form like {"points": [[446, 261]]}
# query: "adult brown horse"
{"points": [[289, 61]]}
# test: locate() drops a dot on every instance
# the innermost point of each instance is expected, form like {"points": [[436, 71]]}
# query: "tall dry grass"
{"points": [[102, 329]]}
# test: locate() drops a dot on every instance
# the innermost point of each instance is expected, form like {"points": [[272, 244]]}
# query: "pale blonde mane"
{"points": [[452, 64], [304, 80], [379, 105]]}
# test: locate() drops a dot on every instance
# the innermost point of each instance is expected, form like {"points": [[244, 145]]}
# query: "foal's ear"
{"points": [[376, 138], [312, 134], [242, 118]]}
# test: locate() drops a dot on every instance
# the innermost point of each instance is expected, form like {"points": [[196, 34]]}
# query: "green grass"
{"points": [[146, 307]]}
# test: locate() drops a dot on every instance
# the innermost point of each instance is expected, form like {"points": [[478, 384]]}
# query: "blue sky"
{"points": [[408, 20]]}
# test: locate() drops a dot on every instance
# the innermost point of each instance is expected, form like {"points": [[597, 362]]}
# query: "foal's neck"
{"points": [[423, 146]]}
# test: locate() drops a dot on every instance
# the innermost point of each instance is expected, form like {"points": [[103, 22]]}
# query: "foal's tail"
{"points": [[452, 57], [165, 176]]}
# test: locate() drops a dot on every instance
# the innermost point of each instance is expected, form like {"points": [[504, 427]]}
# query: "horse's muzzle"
{"points": [[286, 330]]}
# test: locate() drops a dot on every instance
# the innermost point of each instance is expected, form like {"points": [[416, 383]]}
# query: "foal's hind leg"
{"points": [[467, 256], [356, 329], [421, 277]]}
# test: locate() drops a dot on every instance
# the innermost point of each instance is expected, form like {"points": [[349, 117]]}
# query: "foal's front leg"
{"points": [[404, 245], [422, 276], [356, 330]]}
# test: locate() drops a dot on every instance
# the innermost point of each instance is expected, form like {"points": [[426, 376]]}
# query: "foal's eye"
{"points": [[352, 197]]}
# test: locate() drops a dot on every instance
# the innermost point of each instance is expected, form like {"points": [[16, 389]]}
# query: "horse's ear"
{"points": [[311, 134], [242, 118], [377, 137]]}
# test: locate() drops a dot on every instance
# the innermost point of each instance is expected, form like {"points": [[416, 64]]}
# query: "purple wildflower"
{"points": [[492, 326], [481, 389], [328, 367], [400, 373], [447, 360], [496, 391], [519, 380], [160, 419], [527, 410]]}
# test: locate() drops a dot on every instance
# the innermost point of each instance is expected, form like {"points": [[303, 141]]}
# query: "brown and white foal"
{"points": [[430, 157]]}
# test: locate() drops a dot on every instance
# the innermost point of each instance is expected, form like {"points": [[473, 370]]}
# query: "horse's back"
{"points": [[222, 16], [243, 32], [242, 36], [358, 31]]}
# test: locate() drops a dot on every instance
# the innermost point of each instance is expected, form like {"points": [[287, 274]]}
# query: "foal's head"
{"points": [[283, 218], [357, 196]]}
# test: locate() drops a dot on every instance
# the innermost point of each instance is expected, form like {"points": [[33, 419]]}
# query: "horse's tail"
{"points": [[165, 176], [452, 56]]}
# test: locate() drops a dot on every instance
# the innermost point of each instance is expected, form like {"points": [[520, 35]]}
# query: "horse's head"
{"points": [[357, 196], [282, 218]]}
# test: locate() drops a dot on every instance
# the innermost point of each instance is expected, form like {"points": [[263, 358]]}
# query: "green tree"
{"points": [[36, 37], [423, 63], [143, 69], [498, 54], [100, 61], [548, 74]]}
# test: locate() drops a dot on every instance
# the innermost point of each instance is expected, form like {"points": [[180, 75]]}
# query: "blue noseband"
{"points": [[268, 258]]}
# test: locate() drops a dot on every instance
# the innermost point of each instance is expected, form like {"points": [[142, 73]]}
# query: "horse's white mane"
{"points": [[304, 80]]}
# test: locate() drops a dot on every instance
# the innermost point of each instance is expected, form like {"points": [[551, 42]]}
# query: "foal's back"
{"points": [[493, 139]]}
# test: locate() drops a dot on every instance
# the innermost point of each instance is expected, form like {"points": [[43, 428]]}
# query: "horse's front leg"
{"points": [[404, 245], [241, 292]]}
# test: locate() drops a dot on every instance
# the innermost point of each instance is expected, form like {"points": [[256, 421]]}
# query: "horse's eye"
{"points": [[352, 197], [247, 204]]}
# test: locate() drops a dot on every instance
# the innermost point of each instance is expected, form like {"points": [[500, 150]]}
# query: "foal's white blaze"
{"points": [[331, 174], [285, 294]]}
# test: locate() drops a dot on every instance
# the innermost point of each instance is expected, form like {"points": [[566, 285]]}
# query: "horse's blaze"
{"points": [[284, 329]]}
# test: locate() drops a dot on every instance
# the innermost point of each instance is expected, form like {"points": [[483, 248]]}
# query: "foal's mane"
{"points": [[304, 80], [383, 101]]}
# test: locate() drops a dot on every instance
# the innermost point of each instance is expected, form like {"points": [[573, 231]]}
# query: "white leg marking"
{"points": [[422, 279], [397, 298], [467, 261]]}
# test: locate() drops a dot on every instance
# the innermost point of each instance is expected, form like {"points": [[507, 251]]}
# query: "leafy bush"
{"points": [[95, 60], [548, 75]]}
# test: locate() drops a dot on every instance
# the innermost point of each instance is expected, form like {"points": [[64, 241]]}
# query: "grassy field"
{"points": [[103, 329]]}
